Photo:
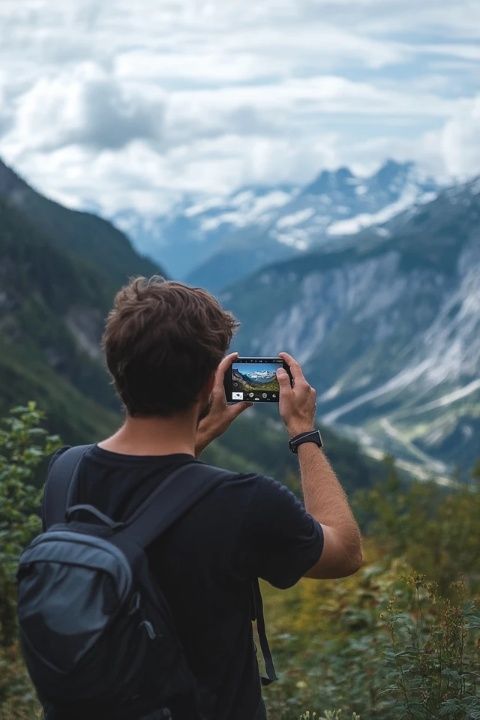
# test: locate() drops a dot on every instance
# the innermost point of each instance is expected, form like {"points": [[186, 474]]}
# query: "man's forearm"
{"points": [[325, 498]]}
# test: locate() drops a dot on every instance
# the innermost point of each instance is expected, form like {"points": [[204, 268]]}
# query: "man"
{"points": [[164, 344]]}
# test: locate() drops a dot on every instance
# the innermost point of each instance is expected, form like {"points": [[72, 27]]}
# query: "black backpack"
{"points": [[96, 631]]}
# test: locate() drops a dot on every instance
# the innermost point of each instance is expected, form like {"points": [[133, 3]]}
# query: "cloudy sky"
{"points": [[119, 104]]}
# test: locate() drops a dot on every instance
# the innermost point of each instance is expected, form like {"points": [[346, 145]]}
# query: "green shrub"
{"points": [[383, 643], [433, 527], [23, 445], [434, 655]]}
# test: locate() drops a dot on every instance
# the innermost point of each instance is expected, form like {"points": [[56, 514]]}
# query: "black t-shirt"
{"points": [[249, 526]]}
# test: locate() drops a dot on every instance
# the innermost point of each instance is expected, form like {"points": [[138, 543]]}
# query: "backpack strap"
{"points": [[172, 499], [164, 507], [60, 483], [262, 635], [154, 516]]}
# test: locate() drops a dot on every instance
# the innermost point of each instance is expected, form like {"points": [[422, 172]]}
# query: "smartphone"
{"points": [[254, 379]]}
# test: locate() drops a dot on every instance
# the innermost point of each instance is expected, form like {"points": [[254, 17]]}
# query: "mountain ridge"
{"points": [[391, 318], [213, 241], [56, 287]]}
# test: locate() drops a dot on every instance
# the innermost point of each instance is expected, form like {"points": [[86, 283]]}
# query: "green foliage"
{"points": [[433, 656], [382, 643], [434, 528], [388, 643], [400, 639], [25, 376], [23, 445]]}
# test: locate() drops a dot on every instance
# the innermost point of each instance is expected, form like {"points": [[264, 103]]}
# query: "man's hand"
{"points": [[220, 415], [298, 403]]}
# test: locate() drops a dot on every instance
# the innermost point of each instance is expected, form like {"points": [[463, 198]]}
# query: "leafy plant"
{"points": [[434, 528], [384, 644], [23, 446], [434, 655]]}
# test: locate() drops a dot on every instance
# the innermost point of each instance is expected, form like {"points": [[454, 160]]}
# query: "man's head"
{"points": [[163, 341]]}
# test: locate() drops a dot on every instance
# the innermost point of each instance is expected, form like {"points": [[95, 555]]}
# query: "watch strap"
{"points": [[309, 436]]}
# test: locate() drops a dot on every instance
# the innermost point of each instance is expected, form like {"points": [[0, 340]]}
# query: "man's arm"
{"points": [[326, 501], [324, 497], [220, 414]]}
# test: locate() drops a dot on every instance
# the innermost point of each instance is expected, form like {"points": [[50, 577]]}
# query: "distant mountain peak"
{"points": [[392, 164], [213, 240], [329, 181], [391, 169], [343, 172]]}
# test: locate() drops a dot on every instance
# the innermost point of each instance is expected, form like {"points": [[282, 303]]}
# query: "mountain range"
{"points": [[59, 270], [387, 325], [213, 242], [259, 374], [385, 320]]}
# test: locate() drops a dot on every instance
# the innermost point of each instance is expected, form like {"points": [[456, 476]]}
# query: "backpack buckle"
{"points": [[149, 628]]}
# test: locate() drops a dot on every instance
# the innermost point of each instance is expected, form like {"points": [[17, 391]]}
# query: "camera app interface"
{"points": [[255, 380]]}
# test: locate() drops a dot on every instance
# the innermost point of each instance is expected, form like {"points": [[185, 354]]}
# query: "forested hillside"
{"points": [[59, 272]]}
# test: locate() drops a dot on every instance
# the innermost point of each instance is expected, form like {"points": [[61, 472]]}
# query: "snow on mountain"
{"points": [[200, 237], [314, 216], [196, 226], [410, 196], [246, 209], [260, 374]]}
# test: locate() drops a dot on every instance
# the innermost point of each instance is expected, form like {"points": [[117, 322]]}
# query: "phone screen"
{"points": [[253, 379]]}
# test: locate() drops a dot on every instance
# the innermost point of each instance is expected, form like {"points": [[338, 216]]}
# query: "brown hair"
{"points": [[162, 342]]}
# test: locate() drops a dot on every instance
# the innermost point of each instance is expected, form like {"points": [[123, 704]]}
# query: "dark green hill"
{"points": [[59, 271], [103, 248]]}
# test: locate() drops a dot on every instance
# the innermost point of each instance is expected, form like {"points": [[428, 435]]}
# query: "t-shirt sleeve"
{"points": [[283, 541]]}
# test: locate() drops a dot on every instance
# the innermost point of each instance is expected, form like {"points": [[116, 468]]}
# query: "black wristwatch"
{"points": [[311, 436]]}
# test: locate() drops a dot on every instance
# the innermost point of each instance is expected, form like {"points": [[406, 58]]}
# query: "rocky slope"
{"points": [[387, 324]]}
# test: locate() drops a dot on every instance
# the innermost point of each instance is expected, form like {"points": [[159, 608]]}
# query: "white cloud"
{"points": [[85, 107], [126, 105], [460, 140]]}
